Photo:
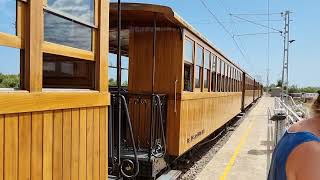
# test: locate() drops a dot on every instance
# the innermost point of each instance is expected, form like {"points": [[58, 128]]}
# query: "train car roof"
{"points": [[143, 14]]}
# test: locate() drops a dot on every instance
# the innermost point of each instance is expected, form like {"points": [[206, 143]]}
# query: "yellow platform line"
{"points": [[236, 152]]}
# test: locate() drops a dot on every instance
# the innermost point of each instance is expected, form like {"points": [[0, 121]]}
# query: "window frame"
{"points": [[16, 41], [64, 50], [122, 69], [213, 84], [190, 64], [206, 70], [200, 88]]}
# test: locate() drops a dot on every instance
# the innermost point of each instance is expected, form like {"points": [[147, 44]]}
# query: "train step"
{"points": [[170, 175]]}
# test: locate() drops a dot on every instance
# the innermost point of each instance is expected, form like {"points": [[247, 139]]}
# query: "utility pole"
{"points": [[268, 49], [286, 42]]}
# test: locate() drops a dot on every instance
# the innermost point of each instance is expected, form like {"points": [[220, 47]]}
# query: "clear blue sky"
{"points": [[304, 62], [305, 26]]}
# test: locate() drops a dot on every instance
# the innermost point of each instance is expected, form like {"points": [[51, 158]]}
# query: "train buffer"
{"points": [[248, 152]]}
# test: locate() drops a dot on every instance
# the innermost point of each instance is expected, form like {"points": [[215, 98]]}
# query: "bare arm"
{"points": [[304, 162]]}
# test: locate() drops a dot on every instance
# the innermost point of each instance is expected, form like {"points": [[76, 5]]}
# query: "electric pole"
{"points": [[286, 42]]}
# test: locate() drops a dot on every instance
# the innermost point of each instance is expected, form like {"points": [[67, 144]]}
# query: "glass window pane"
{"points": [[188, 74], [124, 62], [218, 65], [8, 16], [199, 58], [213, 62], [205, 79], [124, 77], [66, 72], [65, 32], [207, 59], [112, 60], [82, 9], [198, 77], [222, 68], [112, 76], [188, 50], [9, 70]]}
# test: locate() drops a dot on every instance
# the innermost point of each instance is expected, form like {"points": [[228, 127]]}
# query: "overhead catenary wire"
{"points": [[257, 14], [235, 30], [253, 34], [262, 25], [232, 21], [225, 29]]}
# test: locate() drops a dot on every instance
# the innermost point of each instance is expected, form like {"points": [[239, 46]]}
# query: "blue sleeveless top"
{"points": [[286, 145]]}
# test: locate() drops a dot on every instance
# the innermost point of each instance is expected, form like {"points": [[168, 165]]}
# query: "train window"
{"points": [[188, 65], [67, 72], [232, 80], [214, 73], [228, 78], [223, 76], [206, 78], [10, 70], [206, 75], [8, 17], [199, 56], [207, 59], [69, 33], [81, 9], [199, 65], [198, 77], [188, 50], [113, 70], [218, 75], [188, 77]]}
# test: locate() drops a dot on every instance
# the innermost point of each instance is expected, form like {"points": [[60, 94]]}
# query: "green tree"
{"points": [[294, 89], [112, 82], [279, 83], [9, 81]]}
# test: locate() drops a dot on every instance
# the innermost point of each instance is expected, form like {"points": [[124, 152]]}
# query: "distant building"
{"points": [[276, 92], [308, 97]]}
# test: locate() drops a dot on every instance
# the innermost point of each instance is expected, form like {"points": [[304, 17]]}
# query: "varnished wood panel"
{"points": [[54, 145], [96, 143], [199, 117], [16, 102], [89, 143], [83, 145], [57, 145], [33, 49], [24, 146], [167, 74], [103, 142], [36, 145], [75, 144], [11, 147], [168, 54], [47, 144], [66, 144]]}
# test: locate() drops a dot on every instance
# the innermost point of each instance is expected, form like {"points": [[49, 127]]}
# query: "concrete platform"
{"points": [[247, 154]]}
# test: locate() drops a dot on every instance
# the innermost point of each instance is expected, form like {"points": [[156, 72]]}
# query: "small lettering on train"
{"points": [[195, 136]]}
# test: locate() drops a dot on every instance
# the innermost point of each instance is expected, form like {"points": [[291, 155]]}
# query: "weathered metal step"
{"points": [[170, 175], [110, 177]]}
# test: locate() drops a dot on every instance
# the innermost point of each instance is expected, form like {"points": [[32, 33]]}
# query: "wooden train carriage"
{"points": [[53, 114], [167, 56], [248, 90]]}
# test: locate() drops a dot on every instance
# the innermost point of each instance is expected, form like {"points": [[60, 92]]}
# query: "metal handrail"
{"points": [[162, 128], [297, 106], [289, 110], [132, 139]]}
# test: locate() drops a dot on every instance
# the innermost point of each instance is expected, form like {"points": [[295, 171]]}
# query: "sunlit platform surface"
{"points": [[248, 152]]}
